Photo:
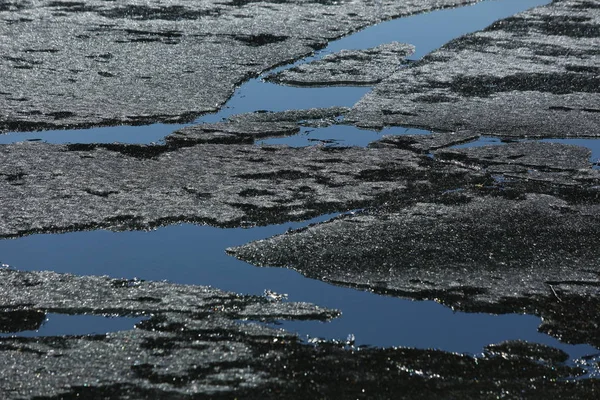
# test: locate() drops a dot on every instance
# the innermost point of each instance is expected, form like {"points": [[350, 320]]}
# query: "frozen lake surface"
{"points": [[192, 254]]}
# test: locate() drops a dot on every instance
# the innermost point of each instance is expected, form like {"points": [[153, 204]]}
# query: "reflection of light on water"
{"points": [[256, 94], [391, 321], [592, 144], [190, 254]]}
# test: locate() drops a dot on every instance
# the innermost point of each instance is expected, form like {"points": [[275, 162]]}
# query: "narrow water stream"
{"points": [[195, 254], [427, 32], [592, 144]]}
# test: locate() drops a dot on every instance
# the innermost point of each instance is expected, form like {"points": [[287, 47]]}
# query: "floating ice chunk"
{"points": [[274, 296]]}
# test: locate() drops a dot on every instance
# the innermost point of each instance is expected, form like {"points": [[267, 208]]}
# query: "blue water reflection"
{"points": [[340, 135], [195, 254], [592, 144], [427, 32], [430, 31], [192, 254]]}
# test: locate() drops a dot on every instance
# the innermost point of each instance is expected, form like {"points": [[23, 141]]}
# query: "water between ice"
{"points": [[427, 32], [192, 254], [592, 144]]}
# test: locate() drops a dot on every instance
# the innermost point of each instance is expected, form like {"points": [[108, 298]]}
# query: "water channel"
{"points": [[191, 254]]}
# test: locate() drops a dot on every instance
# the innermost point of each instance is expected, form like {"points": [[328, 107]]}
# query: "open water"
{"points": [[193, 254]]}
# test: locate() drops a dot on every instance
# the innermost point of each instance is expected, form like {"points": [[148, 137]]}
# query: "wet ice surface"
{"points": [[195, 255]]}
